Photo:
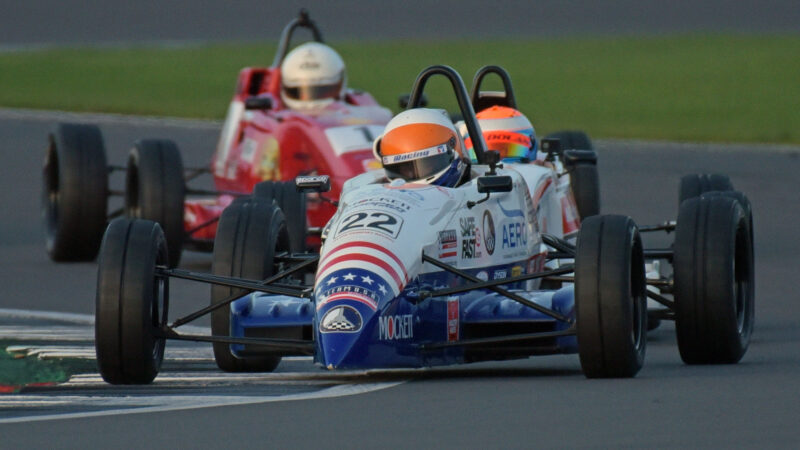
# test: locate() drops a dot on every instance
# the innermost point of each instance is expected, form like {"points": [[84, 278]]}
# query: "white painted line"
{"points": [[177, 402]]}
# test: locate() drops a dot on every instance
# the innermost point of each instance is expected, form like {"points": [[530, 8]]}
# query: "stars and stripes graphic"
{"points": [[368, 256], [353, 284]]}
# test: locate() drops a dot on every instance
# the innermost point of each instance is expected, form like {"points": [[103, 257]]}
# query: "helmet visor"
{"points": [[420, 164], [305, 93], [509, 144]]}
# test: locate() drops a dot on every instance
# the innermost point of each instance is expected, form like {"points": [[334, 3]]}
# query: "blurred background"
{"points": [[720, 71]]}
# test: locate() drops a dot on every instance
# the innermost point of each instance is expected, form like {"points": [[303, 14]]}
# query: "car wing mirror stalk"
{"points": [[552, 148], [491, 183]]}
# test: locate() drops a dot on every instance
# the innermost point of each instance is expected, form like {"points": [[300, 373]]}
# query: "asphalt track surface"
{"points": [[542, 402], [60, 22]]}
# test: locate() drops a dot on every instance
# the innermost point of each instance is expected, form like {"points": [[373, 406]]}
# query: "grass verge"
{"points": [[19, 372], [693, 87]]}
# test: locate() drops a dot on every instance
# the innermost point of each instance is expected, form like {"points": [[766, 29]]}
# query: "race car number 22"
{"points": [[379, 221]]}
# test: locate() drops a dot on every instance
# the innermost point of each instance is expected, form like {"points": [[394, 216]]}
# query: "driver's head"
{"points": [[312, 76], [506, 131], [421, 145]]}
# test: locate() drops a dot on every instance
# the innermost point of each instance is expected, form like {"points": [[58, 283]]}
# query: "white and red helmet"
{"points": [[312, 76], [421, 145]]}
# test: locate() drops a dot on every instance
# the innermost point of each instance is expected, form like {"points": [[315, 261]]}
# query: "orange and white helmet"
{"points": [[421, 145], [506, 131], [312, 76]]}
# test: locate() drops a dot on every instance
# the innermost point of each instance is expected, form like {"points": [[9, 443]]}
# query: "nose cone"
{"points": [[347, 302], [342, 337]]}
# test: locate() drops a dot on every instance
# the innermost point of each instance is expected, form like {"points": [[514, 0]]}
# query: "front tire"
{"points": [[249, 234], [714, 280], [155, 190], [131, 304], [610, 302], [74, 192]]}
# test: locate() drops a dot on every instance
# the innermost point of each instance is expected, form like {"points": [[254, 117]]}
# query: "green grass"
{"points": [[694, 87], [18, 372]]}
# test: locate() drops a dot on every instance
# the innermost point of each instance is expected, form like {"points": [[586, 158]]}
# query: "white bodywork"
{"points": [[386, 227]]}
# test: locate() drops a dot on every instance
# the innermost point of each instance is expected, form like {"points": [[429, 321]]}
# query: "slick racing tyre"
{"points": [[131, 303], [714, 280], [249, 234], [583, 177], [577, 140], [293, 205], [610, 303], [74, 192], [155, 190], [695, 185]]}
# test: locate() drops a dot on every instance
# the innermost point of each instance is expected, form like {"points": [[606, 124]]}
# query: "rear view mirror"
{"points": [[496, 183], [258, 103], [318, 183], [551, 147]]}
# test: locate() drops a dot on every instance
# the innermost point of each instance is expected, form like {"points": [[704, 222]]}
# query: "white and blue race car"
{"points": [[413, 275]]}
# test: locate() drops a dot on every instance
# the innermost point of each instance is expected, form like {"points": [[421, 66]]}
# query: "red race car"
{"points": [[296, 117]]}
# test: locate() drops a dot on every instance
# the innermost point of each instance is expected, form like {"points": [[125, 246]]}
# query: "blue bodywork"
{"points": [[355, 323]]}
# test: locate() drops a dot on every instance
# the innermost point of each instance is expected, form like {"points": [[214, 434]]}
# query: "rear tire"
{"points": [[293, 205], [610, 302], [585, 185], [714, 280], [74, 192], [583, 177], [249, 234], [155, 190], [131, 303], [695, 185], [577, 140]]}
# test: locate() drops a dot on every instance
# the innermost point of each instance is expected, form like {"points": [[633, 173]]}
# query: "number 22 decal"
{"points": [[378, 221]]}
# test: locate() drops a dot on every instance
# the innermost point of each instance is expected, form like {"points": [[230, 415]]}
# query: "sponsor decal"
{"points": [[452, 319], [482, 275], [249, 147], [515, 235], [397, 327], [469, 238], [394, 204], [269, 167], [488, 232], [511, 212], [379, 221], [500, 274], [516, 271], [448, 244], [341, 319]]}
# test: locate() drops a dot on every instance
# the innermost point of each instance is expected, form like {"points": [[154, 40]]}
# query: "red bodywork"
{"points": [[280, 144]]}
